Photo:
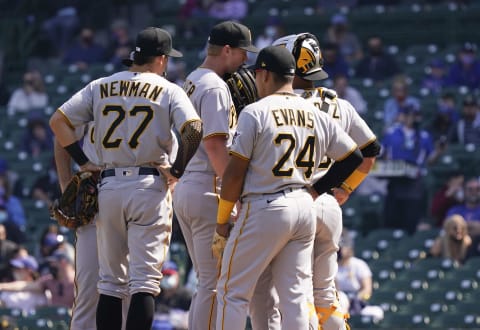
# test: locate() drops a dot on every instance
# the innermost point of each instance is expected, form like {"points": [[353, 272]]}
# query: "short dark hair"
{"points": [[140, 59]]}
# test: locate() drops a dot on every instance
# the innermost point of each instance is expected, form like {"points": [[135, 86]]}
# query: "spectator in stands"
{"points": [[52, 242], [465, 71], [7, 250], [30, 97], [454, 241], [60, 281], [339, 33], [46, 187], [173, 296], [398, 101], [468, 127], [349, 93], [470, 208], [272, 31], [12, 214], [59, 284], [377, 64], [85, 51], [61, 27], [20, 293], [405, 203], [228, 9], [449, 194], [333, 61], [435, 78], [121, 44], [354, 276], [37, 138], [444, 122], [13, 178]]}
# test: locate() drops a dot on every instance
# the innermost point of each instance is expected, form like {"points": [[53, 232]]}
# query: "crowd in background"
{"points": [[45, 275]]}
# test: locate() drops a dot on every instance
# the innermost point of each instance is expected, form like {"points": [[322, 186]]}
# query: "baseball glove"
{"points": [[79, 203], [242, 88]]}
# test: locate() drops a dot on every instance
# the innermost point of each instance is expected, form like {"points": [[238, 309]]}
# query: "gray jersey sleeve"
{"points": [[357, 128], [79, 108], [214, 121]]}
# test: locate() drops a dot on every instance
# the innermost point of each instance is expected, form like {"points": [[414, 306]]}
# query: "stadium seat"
{"points": [[34, 323], [405, 321]]}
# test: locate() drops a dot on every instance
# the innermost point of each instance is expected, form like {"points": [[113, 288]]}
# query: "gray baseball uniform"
{"points": [[201, 187], [86, 257], [133, 114], [284, 138], [329, 213], [329, 223]]}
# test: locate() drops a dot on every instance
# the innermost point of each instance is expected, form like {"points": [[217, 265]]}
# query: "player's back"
{"points": [[212, 101], [133, 116], [290, 137]]}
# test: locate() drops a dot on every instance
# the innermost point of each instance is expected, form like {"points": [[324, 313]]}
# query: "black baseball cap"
{"points": [[276, 59], [154, 41], [234, 34]]}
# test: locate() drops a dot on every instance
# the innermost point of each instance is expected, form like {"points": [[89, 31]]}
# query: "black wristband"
{"points": [[76, 152], [175, 172]]}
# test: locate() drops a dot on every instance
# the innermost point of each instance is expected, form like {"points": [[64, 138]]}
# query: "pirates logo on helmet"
{"points": [[308, 56]]}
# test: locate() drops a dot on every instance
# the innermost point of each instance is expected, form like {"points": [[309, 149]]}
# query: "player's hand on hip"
{"points": [[90, 167], [164, 169], [340, 195], [312, 192]]}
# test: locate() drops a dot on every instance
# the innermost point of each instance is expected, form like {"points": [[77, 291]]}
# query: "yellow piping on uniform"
{"points": [[212, 305], [225, 288], [65, 116]]}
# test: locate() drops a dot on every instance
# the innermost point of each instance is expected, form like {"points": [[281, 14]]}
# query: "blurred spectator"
{"points": [[12, 214], [398, 101], [333, 62], [465, 71], [339, 33], [454, 241], [85, 51], [377, 64], [468, 127], [60, 281], [405, 203], [470, 208], [46, 188], [173, 302], [30, 97], [50, 241], [62, 26], [450, 194], [37, 138], [121, 44], [176, 71], [194, 8], [349, 93], [435, 78], [7, 250], [58, 286], [272, 31], [21, 293], [14, 180], [354, 278], [228, 9], [444, 122]]}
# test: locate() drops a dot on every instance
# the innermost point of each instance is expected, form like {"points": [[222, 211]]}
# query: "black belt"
{"points": [[141, 171]]}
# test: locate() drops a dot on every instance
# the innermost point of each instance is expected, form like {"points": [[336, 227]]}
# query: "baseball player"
{"points": [[279, 142], [133, 113], [308, 58], [86, 256], [195, 198]]}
